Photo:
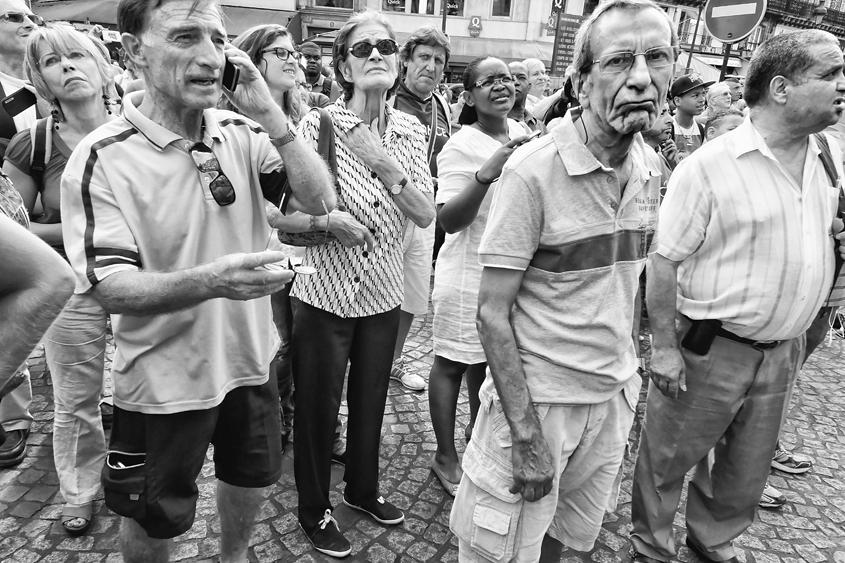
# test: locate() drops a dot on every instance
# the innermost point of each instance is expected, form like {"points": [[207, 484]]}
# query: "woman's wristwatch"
{"points": [[396, 189]]}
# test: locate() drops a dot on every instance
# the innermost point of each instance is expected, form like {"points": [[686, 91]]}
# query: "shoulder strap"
{"points": [[41, 137], [327, 87], [827, 159], [325, 141], [7, 122], [700, 130], [830, 170]]}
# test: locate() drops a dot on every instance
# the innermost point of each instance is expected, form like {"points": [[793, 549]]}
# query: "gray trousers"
{"points": [[735, 403]]}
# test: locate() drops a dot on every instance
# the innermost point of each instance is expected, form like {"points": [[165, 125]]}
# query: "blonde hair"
{"points": [[63, 39]]}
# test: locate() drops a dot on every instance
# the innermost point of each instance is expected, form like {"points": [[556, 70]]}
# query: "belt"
{"points": [[756, 344]]}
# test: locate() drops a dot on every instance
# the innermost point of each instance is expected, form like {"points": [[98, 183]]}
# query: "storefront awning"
{"points": [[238, 19], [709, 68], [83, 11], [465, 49]]}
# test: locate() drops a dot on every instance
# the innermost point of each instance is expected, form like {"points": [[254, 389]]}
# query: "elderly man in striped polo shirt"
{"points": [[744, 261]]}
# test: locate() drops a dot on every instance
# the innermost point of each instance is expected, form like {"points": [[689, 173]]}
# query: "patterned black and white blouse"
{"points": [[350, 282]]}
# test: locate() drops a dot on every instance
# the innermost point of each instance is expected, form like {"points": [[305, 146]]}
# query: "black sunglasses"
{"points": [[282, 54], [18, 17], [363, 49], [221, 188]]}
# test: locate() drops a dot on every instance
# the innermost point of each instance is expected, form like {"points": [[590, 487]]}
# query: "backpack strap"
{"points": [[41, 137], [830, 170], [700, 130], [325, 141]]}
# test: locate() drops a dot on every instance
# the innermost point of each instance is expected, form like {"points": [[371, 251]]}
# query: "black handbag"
{"points": [[326, 149]]}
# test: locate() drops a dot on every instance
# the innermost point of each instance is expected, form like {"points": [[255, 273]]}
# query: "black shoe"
{"points": [[107, 415], [382, 511], [339, 458], [326, 537], [637, 557], [701, 555], [13, 449]]}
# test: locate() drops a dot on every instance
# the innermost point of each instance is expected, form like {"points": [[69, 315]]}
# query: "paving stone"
{"points": [[809, 528]]}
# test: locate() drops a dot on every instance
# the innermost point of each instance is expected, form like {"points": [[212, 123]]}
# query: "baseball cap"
{"points": [[684, 84]]}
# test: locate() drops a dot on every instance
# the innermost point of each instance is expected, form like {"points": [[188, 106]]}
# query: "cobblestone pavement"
{"points": [[811, 527]]}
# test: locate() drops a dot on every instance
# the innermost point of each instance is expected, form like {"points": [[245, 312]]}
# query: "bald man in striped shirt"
{"points": [[744, 261]]}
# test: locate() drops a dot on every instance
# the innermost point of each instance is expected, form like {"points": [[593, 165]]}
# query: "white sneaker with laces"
{"points": [[408, 379]]}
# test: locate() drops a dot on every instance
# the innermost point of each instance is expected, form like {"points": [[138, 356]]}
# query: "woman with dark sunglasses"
{"points": [[348, 312], [72, 71], [469, 167]]}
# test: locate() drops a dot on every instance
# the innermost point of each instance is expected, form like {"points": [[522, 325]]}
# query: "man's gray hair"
{"points": [[426, 35], [788, 55], [583, 52]]}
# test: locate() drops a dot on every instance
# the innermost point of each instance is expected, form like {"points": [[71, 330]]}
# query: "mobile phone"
{"points": [[231, 74], [532, 136], [19, 101]]}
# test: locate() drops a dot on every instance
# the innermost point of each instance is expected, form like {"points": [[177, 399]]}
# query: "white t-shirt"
{"points": [[26, 118]]}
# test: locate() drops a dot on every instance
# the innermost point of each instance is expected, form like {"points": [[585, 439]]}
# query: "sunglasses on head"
{"points": [[221, 188], [363, 49], [18, 17]]}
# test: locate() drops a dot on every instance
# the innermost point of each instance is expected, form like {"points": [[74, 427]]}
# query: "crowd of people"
{"points": [[257, 247]]}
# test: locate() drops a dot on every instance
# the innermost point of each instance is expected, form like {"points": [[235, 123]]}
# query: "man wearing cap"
{"points": [[688, 95]]}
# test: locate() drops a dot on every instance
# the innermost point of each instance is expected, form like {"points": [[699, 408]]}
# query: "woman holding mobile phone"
{"points": [[469, 167]]}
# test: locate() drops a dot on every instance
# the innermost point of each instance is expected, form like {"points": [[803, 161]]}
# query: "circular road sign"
{"points": [[730, 21]]}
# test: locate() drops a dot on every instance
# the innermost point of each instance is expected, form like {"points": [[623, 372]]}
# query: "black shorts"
{"points": [[154, 459]]}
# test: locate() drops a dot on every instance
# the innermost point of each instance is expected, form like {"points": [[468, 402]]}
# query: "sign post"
{"points": [[562, 54], [731, 21]]}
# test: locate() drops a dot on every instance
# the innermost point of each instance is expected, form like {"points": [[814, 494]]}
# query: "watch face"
{"points": [[396, 189]]}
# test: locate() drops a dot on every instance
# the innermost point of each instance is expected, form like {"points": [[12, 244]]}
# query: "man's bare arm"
{"points": [[237, 276], [35, 283], [532, 459], [667, 364]]}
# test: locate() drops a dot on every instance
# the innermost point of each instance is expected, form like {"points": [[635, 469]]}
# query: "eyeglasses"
{"points": [[282, 54], [363, 49], [18, 17], [491, 81], [221, 188], [657, 57], [303, 85]]}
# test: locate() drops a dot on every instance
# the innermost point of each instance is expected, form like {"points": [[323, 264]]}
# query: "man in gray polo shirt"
{"points": [[166, 226], [565, 243]]}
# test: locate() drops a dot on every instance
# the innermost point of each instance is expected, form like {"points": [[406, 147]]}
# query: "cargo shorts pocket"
{"points": [[492, 530], [124, 483]]}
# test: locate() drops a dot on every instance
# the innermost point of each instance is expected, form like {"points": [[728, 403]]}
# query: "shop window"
{"points": [[501, 8], [454, 7], [334, 3]]}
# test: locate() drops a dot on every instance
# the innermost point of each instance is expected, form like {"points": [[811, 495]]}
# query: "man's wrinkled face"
{"points": [[630, 101], [182, 54], [818, 98], [424, 69]]}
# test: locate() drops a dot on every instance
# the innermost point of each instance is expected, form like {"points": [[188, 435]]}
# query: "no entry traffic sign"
{"points": [[730, 21]]}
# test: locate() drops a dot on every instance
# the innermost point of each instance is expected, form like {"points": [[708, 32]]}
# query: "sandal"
{"points": [[76, 519], [451, 488]]}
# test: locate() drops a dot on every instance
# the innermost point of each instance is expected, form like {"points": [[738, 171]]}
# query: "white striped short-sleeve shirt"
{"points": [[756, 248]]}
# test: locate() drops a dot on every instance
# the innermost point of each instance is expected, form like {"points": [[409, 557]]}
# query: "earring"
{"points": [[107, 102], [54, 113]]}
